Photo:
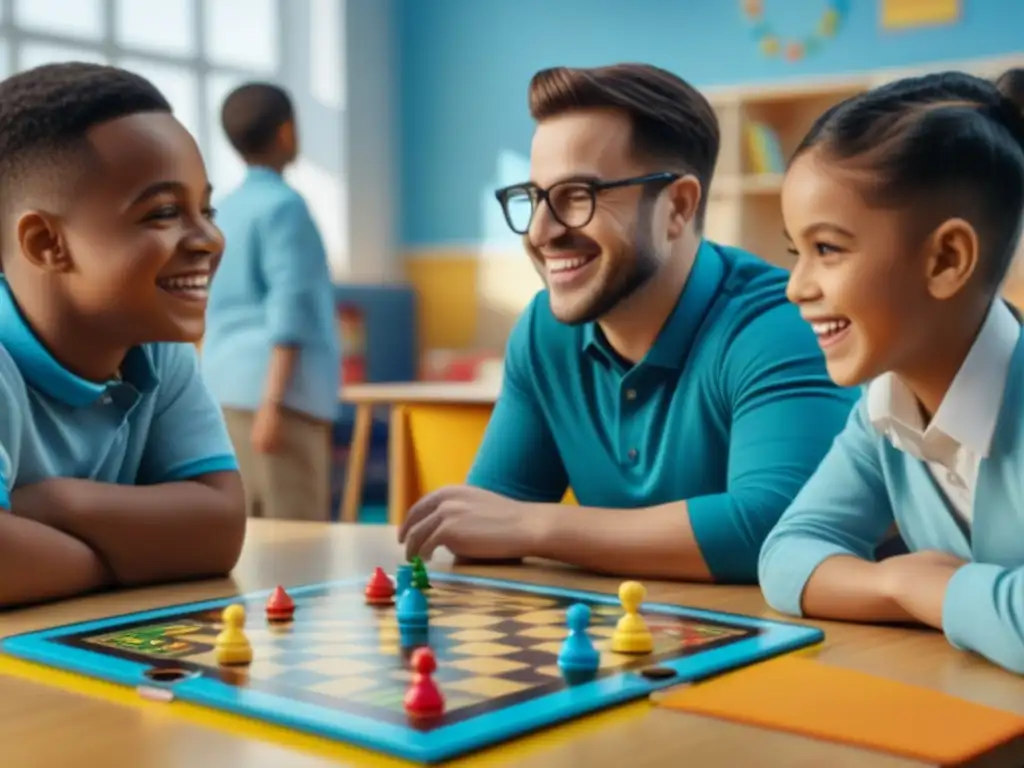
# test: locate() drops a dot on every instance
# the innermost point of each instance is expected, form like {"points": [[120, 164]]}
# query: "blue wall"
{"points": [[465, 64]]}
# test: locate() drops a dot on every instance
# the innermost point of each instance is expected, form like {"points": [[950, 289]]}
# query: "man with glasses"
{"points": [[666, 380]]}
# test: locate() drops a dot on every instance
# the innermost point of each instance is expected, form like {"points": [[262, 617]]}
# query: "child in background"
{"points": [[904, 209], [271, 354], [115, 465]]}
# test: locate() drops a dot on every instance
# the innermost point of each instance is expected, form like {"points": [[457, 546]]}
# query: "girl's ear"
{"points": [[951, 258]]}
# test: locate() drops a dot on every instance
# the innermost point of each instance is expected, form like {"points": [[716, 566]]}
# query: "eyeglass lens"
{"points": [[572, 203]]}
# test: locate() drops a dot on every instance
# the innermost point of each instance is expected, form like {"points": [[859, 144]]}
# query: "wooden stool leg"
{"points": [[358, 452], [401, 472]]}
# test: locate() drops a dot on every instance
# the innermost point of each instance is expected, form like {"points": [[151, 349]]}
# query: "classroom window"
{"points": [[253, 42], [326, 27], [224, 165], [35, 54], [168, 26], [180, 84], [83, 19]]}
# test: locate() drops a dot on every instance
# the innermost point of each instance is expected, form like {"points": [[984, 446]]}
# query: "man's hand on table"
{"points": [[473, 524]]}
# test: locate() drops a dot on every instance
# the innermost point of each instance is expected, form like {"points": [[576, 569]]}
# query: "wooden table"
{"points": [[461, 408], [43, 726]]}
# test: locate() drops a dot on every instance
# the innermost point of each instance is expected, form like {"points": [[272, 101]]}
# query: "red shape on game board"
{"points": [[280, 606], [424, 698], [380, 590]]}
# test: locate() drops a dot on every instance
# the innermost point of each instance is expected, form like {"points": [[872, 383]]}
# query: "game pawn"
{"points": [[412, 611], [403, 580], [232, 647], [379, 590], [424, 699], [578, 659], [419, 573], [631, 633], [280, 606]]}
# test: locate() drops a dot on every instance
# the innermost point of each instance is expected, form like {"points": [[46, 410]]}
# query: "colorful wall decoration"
{"points": [[914, 14], [774, 42]]}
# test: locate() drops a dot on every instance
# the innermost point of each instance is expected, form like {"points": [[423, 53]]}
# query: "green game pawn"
{"points": [[419, 574]]}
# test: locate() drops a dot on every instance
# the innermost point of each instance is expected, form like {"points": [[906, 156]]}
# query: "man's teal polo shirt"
{"points": [[731, 410]]}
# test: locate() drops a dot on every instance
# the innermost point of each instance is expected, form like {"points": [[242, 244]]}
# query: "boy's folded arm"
{"points": [[147, 533], [39, 563], [818, 561], [184, 517], [982, 612]]}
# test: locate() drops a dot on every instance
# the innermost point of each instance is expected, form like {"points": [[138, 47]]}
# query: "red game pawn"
{"points": [[280, 606], [380, 590], [424, 698]]}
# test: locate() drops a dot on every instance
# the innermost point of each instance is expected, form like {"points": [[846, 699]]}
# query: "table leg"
{"points": [[401, 472], [358, 452]]}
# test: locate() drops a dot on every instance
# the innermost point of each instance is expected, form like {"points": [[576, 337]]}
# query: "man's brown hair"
{"points": [[674, 126]]}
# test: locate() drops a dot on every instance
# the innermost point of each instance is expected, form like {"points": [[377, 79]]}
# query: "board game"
{"points": [[339, 669]]}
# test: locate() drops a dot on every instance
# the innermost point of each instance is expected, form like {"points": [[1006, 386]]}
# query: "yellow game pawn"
{"points": [[631, 633], [232, 646]]}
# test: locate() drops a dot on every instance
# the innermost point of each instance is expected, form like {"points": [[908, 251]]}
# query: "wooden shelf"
{"points": [[743, 205]]}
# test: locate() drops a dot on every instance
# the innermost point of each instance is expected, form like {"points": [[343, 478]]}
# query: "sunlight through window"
{"points": [[327, 36], [75, 18], [37, 54], [225, 168], [324, 193], [242, 34], [164, 27], [180, 84]]}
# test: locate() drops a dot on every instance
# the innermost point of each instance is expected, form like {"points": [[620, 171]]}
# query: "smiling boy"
{"points": [[115, 464]]}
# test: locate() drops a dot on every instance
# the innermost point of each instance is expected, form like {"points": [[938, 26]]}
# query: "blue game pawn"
{"points": [[403, 580], [412, 609], [578, 656]]}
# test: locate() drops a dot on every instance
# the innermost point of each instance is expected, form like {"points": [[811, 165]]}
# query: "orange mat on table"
{"points": [[805, 697]]}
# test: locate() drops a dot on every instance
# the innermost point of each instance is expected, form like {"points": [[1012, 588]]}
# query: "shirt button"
{"points": [[955, 479], [633, 453], [107, 400], [631, 394]]}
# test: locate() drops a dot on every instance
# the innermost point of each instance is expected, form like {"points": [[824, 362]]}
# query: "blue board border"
{"points": [[444, 742]]}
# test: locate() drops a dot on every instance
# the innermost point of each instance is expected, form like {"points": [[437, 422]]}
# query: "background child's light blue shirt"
{"points": [[273, 288]]}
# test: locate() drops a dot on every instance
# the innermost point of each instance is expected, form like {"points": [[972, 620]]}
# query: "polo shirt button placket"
{"points": [[632, 454]]}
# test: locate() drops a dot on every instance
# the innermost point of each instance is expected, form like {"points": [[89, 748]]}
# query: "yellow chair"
{"points": [[431, 446]]}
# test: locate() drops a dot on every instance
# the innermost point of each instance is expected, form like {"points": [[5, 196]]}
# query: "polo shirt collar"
{"points": [[964, 419], [673, 343], [262, 172], [41, 370]]}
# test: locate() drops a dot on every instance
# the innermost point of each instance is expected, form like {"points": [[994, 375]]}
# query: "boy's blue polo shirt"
{"points": [[157, 424], [731, 411]]}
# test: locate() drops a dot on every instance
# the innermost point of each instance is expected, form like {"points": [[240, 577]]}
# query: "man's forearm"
{"points": [[148, 534], [279, 373], [850, 589], [653, 542], [38, 563]]}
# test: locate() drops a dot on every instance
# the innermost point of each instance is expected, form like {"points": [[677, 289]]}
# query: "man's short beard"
{"points": [[644, 267]]}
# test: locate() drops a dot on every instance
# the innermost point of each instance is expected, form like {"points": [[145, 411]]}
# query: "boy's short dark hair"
{"points": [[45, 114], [253, 114]]}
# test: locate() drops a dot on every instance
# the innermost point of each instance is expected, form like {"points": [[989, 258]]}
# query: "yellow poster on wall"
{"points": [[909, 14]]}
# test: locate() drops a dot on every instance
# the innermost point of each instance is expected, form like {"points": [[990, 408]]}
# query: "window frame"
{"points": [[197, 63]]}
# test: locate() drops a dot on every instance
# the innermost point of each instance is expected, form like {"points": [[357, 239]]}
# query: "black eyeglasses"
{"points": [[572, 202]]}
